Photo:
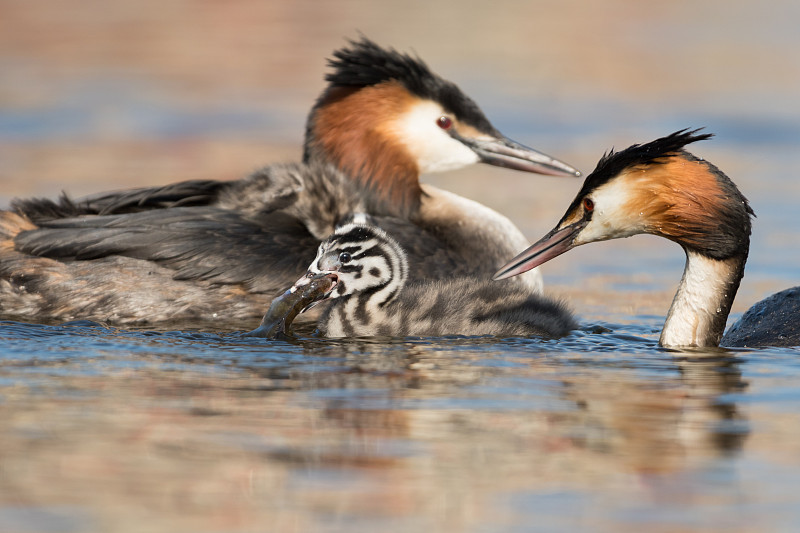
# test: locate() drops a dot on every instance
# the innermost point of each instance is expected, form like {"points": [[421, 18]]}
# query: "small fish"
{"points": [[283, 309]]}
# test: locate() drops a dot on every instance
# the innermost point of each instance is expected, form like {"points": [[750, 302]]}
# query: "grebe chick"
{"points": [[364, 272], [661, 189], [209, 250]]}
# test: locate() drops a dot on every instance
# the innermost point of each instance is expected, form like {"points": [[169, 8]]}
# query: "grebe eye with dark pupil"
{"points": [[588, 204], [345, 257], [444, 122]]}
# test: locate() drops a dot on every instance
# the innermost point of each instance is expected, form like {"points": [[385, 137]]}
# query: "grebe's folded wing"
{"points": [[185, 193], [205, 243]]}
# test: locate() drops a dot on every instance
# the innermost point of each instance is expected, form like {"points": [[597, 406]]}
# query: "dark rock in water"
{"points": [[283, 309], [770, 322]]}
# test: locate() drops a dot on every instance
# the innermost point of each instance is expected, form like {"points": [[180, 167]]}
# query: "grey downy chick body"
{"points": [[372, 295]]}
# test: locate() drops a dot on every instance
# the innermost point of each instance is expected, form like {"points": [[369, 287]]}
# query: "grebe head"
{"points": [[359, 258], [385, 118], [656, 188]]}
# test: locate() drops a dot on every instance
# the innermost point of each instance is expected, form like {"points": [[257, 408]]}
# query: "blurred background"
{"points": [[98, 95]]}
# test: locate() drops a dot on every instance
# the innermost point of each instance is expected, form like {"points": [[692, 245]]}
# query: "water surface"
{"points": [[104, 428]]}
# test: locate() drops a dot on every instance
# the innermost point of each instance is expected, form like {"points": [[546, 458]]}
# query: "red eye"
{"points": [[444, 122], [588, 204]]}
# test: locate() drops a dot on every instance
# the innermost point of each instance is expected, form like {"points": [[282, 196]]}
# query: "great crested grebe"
{"points": [[208, 249], [661, 189], [365, 273]]}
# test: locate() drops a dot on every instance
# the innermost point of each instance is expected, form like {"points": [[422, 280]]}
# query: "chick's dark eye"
{"points": [[345, 257], [588, 204], [444, 122]]}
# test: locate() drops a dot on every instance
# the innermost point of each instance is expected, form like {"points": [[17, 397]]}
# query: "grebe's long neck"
{"points": [[703, 301]]}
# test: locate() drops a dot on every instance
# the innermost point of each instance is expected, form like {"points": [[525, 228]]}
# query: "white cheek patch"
{"points": [[431, 146], [375, 271], [612, 217]]}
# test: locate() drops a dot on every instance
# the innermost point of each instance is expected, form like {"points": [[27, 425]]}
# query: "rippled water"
{"points": [[603, 430]]}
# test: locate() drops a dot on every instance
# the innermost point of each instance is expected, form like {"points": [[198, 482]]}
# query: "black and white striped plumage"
{"points": [[373, 297]]}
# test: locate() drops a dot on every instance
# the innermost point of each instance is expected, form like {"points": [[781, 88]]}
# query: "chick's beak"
{"points": [[551, 245], [503, 152]]}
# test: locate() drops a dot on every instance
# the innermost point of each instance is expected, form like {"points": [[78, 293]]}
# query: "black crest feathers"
{"points": [[363, 63], [612, 162]]}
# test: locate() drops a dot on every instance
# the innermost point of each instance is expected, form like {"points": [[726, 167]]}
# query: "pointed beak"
{"points": [[551, 245], [503, 152]]}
